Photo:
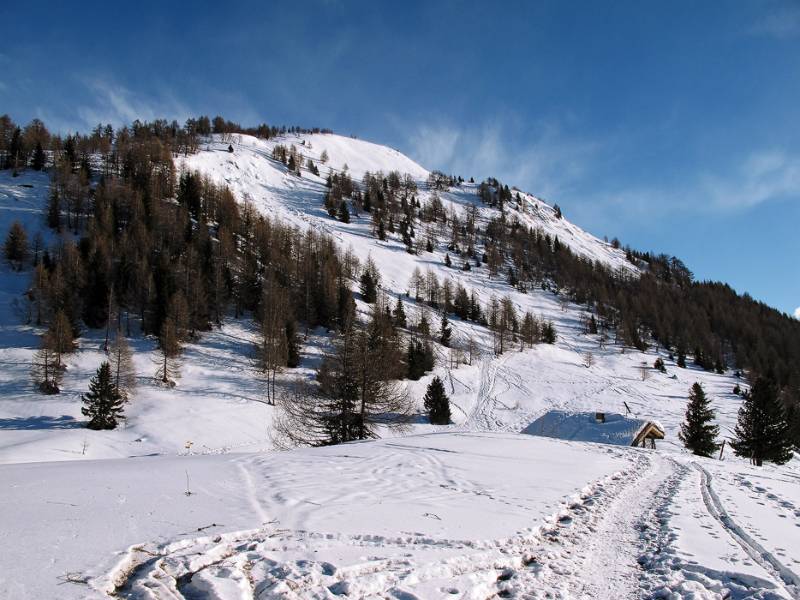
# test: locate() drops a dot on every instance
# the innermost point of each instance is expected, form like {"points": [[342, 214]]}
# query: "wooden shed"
{"points": [[598, 427]]}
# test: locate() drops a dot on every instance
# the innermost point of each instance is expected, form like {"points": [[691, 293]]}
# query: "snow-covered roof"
{"points": [[585, 427]]}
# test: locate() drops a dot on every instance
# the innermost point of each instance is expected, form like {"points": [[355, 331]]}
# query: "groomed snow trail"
{"points": [[590, 548]]}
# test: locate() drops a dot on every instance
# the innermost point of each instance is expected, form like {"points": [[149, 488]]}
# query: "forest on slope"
{"points": [[176, 254]]}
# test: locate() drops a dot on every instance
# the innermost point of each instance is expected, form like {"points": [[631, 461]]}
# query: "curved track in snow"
{"points": [[750, 545]]}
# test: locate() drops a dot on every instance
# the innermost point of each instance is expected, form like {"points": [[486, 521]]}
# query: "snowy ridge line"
{"points": [[751, 547], [246, 561]]}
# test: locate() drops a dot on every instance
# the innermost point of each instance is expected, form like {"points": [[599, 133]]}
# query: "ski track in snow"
{"points": [[753, 549], [609, 541]]}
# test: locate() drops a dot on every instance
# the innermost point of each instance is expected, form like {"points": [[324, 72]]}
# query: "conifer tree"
{"points": [[399, 314], [343, 214], [548, 333], [369, 282], [445, 331], [54, 210], [762, 432], [681, 362], [292, 345], [697, 433], [419, 358], [39, 158], [103, 403], [437, 404], [16, 247]]}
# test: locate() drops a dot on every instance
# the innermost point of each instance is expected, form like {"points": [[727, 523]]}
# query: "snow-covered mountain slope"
{"points": [[468, 510], [218, 404], [254, 176]]}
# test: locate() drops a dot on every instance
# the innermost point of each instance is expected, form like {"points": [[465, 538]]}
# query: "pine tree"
{"points": [[697, 433], [54, 209], [445, 331], [16, 246], [419, 358], [103, 403], [39, 158], [369, 282], [344, 214], [762, 432], [447, 260], [549, 335], [292, 345], [399, 314], [437, 404]]}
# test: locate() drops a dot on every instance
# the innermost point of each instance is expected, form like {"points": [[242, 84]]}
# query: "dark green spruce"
{"points": [[698, 434]]}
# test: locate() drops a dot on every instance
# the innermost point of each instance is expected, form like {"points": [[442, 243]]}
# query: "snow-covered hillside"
{"points": [[468, 510], [254, 176]]}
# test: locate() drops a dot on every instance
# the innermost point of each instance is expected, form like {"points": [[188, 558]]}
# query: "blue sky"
{"points": [[671, 125]]}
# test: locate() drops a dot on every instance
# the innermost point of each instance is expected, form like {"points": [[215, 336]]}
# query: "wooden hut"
{"points": [[598, 427]]}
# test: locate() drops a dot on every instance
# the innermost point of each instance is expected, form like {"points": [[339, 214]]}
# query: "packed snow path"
{"points": [[613, 539]]}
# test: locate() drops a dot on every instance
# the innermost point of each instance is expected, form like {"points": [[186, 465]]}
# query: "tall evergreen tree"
{"points": [[343, 214], [16, 247], [762, 432], [399, 314], [419, 358], [445, 331], [292, 345], [369, 282], [39, 157], [437, 404], [103, 403], [697, 433]]}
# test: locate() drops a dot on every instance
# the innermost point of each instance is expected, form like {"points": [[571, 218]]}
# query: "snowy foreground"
{"points": [[188, 500], [467, 515]]}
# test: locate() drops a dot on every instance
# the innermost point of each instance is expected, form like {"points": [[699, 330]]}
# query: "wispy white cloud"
{"points": [[576, 172], [797, 313], [761, 177], [779, 22], [543, 159], [115, 104]]}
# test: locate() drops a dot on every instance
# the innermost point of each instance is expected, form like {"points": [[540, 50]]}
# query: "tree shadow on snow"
{"points": [[43, 422]]}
